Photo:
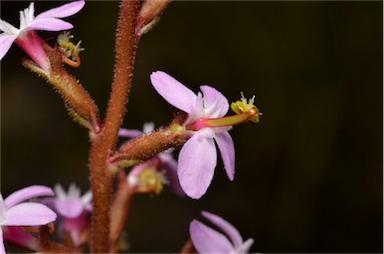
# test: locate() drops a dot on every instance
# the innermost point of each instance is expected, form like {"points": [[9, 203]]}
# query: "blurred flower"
{"points": [[198, 156], [26, 36], [208, 240], [150, 176], [15, 212], [74, 209]]}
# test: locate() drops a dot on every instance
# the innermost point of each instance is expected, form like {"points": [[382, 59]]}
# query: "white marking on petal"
{"points": [[8, 28]]}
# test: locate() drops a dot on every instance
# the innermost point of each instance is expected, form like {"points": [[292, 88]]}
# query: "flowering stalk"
{"points": [[105, 141]]}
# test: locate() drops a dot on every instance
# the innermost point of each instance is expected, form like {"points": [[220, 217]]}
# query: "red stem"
{"points": [[120, 210], [105, 141]]}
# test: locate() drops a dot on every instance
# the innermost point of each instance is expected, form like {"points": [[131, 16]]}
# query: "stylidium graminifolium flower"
{"points": [[15, 212], [73, 210], [198, 157], [206, 124], [26, 37], [208, 240]]}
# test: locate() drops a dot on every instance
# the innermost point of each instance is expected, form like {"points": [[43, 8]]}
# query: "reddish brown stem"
{"points": [[120, 209], [46, 246], [188, 248], [104, 143]]}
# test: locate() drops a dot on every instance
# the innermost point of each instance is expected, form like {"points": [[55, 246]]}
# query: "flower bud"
{"points": [[150, 11]]}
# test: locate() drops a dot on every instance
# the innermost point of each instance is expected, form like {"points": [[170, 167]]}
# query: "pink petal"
{"points": [[127, 133], [170, 165], [197, 162], [63, 11], [20, 237], [215, 100], [207, 240], [227, 150], [226, 227], [27, 193], [174, 92], [69, 208], [49, 24], [6, 43], [7, 28], [29, 214], [246, 246]]}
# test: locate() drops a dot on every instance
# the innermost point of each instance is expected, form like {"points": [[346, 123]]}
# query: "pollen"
{"points": [[243, 105], [68, 49], [152, 181]]}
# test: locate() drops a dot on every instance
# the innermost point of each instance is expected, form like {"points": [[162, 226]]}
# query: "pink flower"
{"points": [[208, 240], [26, 36], [74, 209], [71, 204], [198, 156], [151, 175], [15, 212]]}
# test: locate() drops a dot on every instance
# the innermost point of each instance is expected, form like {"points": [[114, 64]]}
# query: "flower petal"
{"points": [[127, 133], [197, 162], [8, 28], [29, 214], [174, 92], [18, 236], [170, 166], [63, 11], [69, 208], [6, 43], [73, 192], [246, 246], [207, 240], [226, 227], [49, 24], [3, 214], [227, 150], [27, 193], [60, 192], [214, 102]]}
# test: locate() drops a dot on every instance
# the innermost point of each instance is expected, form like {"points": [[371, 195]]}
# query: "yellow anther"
{"points": [[70, 52], [243, 105], [151, 180]]}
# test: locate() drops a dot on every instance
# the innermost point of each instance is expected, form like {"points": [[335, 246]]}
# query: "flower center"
{"points": [[245, 111]]}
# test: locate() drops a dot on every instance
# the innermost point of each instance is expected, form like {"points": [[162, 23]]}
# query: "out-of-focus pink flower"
{"points": [[151, 175], [15, 212], [74, 209], [208, 240], [26, 37]]}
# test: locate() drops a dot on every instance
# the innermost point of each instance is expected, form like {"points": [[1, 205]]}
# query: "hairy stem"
{"points": [[144, 148], [105, 141], [120, 209]]}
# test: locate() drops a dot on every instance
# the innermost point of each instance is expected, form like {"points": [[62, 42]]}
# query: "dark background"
{"points": [[308, 176]]}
